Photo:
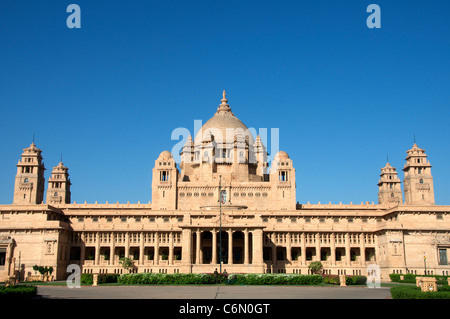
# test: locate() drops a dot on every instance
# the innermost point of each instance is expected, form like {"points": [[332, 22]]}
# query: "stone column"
{"points": [[127, 245], [230, 247], [97, 248], [156, 249], [288, 248], [82, 249], [257, 245], [303, 252], [246, 255], [111, 249], [141, 249], [347, 249], [197, 248], [318, 247], [214, 246], [362, 249], [274, 249], [171, 248], [333, 249], [186, 239]]}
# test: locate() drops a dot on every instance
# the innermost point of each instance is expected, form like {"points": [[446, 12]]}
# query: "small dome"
{"points": [[281, 155], [166, 155]]}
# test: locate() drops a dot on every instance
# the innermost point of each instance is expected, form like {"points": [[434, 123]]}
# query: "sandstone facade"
{"points": [[224, 203]]}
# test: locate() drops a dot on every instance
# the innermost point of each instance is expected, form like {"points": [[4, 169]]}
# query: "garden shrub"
{"points": [[394, 277], [88, 279], [277, 279], [413, 292], [349, 280], [166, 279], [18, 291], [206, 279], [411, 279]]}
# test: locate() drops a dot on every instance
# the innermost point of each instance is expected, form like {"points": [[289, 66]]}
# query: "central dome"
{"points": [[223, 125]]}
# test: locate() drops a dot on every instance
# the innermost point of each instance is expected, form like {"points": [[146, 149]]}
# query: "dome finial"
{"points": [[224, 100], [224, 107]]}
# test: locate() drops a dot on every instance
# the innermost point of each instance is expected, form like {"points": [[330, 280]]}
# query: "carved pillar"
{"points": [[333, 249], [186, 250], [214, 246], [363, 249], [127, 244], [171, 248], [288, 248], [230, 247], [318, 255], [257, 245], [156, 249], [112, 247], [141, 249], [246, 255], [347, 249], [97, 248], [303, 252], [197, 248], [274, 249]]}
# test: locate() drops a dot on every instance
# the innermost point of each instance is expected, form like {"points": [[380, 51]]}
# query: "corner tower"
{"points": [[164, 182], [29, 183], [389, 187], [58, 191], [418, 182]]}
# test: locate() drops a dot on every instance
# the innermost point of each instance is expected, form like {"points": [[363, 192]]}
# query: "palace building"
{"points": [[224, 202]]}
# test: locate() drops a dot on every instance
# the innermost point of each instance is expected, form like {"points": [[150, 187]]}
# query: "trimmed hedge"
{"points": [[411, 279], [207, 279], [166, 279], [349, 280], [88, 279], [412, 292], [18, 291], [275, 279]]}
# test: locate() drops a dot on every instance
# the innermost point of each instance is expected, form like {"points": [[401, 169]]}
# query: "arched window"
{"points": [[55, 194], [392, 194], [421, 181], [25, 180], [241, 154]]}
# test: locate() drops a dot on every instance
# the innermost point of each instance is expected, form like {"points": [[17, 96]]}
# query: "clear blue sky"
{"points": [[107, 96]]}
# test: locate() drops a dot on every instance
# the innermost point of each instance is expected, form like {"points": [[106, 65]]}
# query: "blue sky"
{"points": [[108, 96]]}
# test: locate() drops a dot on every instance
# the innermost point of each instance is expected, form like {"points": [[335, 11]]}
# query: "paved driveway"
{"points": [[212, 292]]}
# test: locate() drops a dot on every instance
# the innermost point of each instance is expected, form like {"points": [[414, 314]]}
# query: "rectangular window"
{"points": [[95, 219], [137, 219], [307, 220], [2, 256], [439, 216], [80, 219], [123, 219], [350, 219], [443, 257], [109, 219]]}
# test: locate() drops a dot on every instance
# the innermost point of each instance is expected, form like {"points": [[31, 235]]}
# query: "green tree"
{"points": [[316, 267], [127, 263]]}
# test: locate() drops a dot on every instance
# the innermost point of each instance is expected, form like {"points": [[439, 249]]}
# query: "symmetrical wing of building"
{"points": [[224, 208]]}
